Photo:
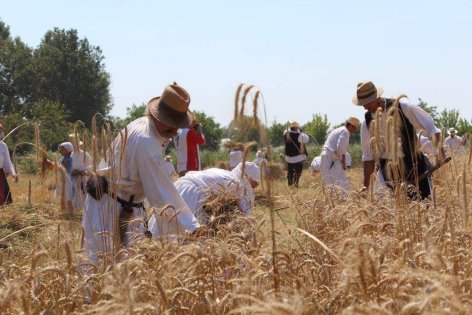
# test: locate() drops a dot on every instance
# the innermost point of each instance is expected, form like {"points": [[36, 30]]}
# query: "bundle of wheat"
{"points": [[220, 207], [231, 145], [274, 170]]}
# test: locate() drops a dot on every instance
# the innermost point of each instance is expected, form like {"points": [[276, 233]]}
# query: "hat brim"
{"points": [[364, 101], [168, 115], [451, 131]]}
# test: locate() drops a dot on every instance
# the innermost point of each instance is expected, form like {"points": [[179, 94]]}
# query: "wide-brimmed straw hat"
{"points": [[72, 138], [293, 124], [451, 130], [366, 93], [171, 107], [354, 121]]}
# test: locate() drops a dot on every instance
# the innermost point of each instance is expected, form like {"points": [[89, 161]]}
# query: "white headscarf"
{"points": [[251, 170], [68, 146]]}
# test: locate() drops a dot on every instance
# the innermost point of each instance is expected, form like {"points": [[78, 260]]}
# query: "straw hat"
{"points": [[171, 107], [168, 158], [72, 138], [366, 93], [451, 130], [354, 121], [293, 124]]}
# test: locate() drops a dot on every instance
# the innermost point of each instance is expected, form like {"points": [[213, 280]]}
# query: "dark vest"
{"points": [[292, 146], [411, 154]]}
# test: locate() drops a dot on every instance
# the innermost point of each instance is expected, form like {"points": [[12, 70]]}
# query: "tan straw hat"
{"points": [[171, 107], [293, 124], [366, 93], [452, 130], [354, 121]]}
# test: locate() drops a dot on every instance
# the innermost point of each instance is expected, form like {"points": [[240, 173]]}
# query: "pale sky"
{"points": [[306, 57]]}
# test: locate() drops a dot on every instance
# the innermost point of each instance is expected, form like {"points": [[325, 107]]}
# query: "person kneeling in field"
{"points": [[195, 185]]}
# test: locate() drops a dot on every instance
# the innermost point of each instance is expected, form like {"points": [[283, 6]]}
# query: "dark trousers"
{"points": [[294, 171]]}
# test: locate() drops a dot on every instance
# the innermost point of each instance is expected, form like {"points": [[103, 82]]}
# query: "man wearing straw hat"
{"points": [[454, 144], [395, 163], [295, 152], [81, 165], [333, 157], [135, 170]]}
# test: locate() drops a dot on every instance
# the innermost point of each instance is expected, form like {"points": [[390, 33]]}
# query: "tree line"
{"points": [[64, 80]]}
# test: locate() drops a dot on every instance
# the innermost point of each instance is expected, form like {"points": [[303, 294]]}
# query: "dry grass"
{"points": [[376, 257]]}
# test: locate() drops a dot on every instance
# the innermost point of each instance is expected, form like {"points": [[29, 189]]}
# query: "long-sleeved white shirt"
{"points": [[142, 172], [453, 144], [303, 140], [235, 157], [194, 184], [5, 161], [337, 143], [419, 118], [81, 160]]}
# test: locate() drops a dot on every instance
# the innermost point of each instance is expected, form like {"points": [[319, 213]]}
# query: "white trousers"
{"points": [[333, 174], [101, 227]]}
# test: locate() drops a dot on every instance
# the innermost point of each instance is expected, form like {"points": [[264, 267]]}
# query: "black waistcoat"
{"points": [[292, 146]]}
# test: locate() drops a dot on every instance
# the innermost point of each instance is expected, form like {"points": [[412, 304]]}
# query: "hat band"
{"points": [[369, 94], [175, 114]]}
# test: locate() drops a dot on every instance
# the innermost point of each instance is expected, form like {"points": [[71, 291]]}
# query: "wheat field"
{"points": [[322, 255]]}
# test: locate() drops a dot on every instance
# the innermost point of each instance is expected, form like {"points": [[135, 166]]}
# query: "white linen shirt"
{"points": [[303, 139], [337, 143], [81, 161], [5, 161], [194, 184], [419, 118], [142, 173], [453, 144], [235, 157]]}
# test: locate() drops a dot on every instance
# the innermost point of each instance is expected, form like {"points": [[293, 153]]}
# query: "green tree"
{"points": [[211, 129], [16, 77], [464, 127], [71, 72], [276, 132], [243, 130], [432, 110], [448, 119], [51, 119], [317, 128]]}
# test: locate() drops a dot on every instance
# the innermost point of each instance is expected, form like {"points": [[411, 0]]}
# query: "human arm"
{"points": [[422, 120], [7, 164], [160, 191]]}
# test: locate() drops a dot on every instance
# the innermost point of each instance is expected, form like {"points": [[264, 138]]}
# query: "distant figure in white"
{"points": [[260, 157], [454, 144], [81, 166], [235, 157], [195, 184], [333, 156]]}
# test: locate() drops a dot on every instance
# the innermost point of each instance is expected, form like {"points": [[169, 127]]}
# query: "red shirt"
{"points": [[193, 139]]}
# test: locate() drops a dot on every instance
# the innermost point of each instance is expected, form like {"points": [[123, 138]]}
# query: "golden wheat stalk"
{"points": [[236, 101]]}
